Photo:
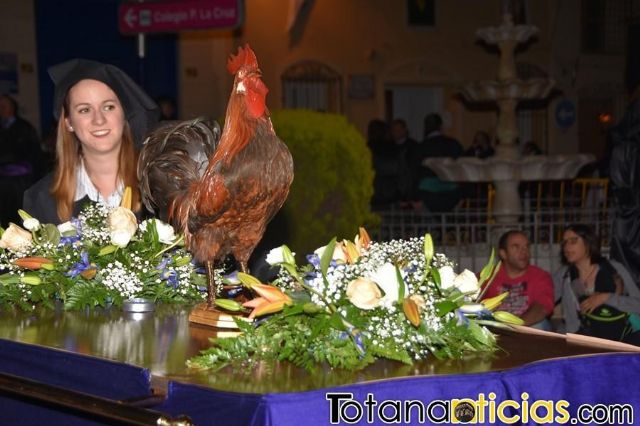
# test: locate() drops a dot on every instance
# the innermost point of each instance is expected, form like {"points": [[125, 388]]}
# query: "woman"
{"points": [[596, 294], [102, 114]]}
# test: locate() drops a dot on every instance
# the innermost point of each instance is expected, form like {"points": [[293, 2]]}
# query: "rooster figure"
{"points": [[221, 191]]}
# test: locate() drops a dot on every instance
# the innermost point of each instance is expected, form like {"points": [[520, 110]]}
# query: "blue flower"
{"points": [[168, 274], [462, 318], [198, 267], [70, 239], [356, 337], [310, 276], [232, 278], [412, 268], [80, 266], [314, 259]]}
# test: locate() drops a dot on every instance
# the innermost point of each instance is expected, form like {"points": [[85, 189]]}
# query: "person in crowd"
{"points": [[405, 145], [435, 194], [385, 164], [167, 108], [530, 288], [531, 148], [20, 158], [624, 173], [102, 115], [597, 295], [480, 146]]}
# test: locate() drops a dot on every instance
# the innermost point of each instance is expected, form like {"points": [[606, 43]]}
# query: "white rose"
{"points": [[363, 293], [15, 238], [466, 282], [166, 233], [387, 279], [67, 228], [338, 253], [31, 224], [120, 238], [446, 277], [276, 256], [122, 226]]}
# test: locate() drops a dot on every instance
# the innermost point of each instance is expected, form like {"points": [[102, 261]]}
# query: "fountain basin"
{"points": [[506, 33], [491, 91], [494, 169]]}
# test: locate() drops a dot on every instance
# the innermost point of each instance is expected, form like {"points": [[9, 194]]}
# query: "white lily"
{"points": [[387, 280], [166, 233], [338, 253], [276, 256], [447, 276]]}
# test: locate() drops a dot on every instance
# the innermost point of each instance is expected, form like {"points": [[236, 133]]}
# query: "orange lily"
{"points": [[362, 239], [33, 263], [89, 273], [271, 300], [351, 251], [411, 311]]}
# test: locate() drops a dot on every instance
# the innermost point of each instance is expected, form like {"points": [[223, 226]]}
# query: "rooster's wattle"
{"points": [[221, 191]]}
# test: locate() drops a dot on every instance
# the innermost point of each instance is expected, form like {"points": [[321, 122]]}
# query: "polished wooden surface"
{"points": [[163, 340]]}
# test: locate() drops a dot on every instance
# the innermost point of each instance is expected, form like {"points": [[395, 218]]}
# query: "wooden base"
{"points": [[212, 317]]}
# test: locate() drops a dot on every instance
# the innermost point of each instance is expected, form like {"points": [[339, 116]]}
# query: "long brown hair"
{"points": [[68, 153]]}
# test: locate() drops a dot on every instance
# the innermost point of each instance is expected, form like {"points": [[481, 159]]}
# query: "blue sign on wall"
{"points": [[565, 113]]}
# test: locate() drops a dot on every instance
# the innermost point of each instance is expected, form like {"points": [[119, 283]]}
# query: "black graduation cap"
{"points": [[140, 110]]}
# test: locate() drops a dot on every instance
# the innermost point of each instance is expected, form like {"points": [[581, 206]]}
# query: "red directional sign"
{"points": [[179, 15]]}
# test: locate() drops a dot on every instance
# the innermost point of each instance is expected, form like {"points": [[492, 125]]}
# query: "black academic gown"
{"points": [[39, 202]]}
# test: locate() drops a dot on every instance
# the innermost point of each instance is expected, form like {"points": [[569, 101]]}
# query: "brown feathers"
{"points": [[224, 202]]}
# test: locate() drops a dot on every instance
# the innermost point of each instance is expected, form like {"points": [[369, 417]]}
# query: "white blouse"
{"points": [[84, 187]]}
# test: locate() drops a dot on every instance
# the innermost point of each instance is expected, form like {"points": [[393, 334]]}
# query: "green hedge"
{"points": [[333, 180]]}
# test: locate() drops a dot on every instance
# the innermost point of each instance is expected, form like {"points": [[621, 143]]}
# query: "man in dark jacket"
{"points": [[625, 178], [20, 158], [436, 195]]}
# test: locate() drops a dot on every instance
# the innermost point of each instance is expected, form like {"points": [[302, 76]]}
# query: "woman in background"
{"points": [[102, 115], [597, 295]]}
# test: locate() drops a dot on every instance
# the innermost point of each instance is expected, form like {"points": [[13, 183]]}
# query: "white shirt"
{"points": [[84, 187]]}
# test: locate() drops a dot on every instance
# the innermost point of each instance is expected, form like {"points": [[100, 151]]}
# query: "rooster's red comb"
{"points": [[245, 57]]}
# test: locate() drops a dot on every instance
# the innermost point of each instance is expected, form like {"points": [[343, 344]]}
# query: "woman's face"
{"points": [[96, 117], [573, 247]]}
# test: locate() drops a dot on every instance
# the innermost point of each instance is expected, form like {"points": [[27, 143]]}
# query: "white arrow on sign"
{"points": [[130, 17]]}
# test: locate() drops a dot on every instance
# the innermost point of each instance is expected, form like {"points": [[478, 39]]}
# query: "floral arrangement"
{"points": [[356, 301], [100, 258]]}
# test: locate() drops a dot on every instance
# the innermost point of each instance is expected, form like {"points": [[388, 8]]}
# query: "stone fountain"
{"points": [[506, 169]]}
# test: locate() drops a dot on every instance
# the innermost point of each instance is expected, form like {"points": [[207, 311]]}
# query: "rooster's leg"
{"points": [[243, 267], [211, 285]]}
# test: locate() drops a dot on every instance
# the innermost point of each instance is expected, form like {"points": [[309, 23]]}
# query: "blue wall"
{"points": [[67, 29]]}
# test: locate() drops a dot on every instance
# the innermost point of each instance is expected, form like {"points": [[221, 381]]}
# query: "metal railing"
{"points": [[467, 235]]}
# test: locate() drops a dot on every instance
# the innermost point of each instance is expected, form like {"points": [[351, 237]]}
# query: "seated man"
{"points": [[530, 288]]}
